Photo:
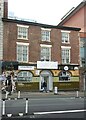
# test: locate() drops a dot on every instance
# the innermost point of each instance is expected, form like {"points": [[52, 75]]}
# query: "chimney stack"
{"points": [[5, 9]]}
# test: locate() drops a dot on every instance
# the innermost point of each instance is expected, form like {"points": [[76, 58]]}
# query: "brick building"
{"points": [[77, 18], [39, 52]]}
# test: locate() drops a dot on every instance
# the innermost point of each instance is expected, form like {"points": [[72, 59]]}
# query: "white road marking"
{"points": [[53, 112]]}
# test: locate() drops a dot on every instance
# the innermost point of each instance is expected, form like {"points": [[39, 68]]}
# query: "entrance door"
{"points": [[46, 76]]}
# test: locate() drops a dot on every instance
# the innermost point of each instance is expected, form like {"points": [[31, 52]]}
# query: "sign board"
{"points": [[25, 67], [47, 65]]}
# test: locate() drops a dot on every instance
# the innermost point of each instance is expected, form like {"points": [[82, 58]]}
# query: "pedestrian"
{"points": [[9, 84], [45, 86], [13, 82], [3, 82]]}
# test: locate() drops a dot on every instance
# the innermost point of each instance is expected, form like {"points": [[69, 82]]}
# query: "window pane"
{"points": [[22, 32], [22, 53], [65, 37], [25, 76], [46, 53], [64, 76], [45, 35], [65, 56]]}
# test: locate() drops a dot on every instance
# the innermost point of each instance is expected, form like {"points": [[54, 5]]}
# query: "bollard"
{"points": [[77, 94], [3, 107], [18, 94], [6, 94], [55, 90], [26, 108]]}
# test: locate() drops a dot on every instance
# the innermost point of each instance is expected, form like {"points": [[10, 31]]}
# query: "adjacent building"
{"points": [[39, 52], [77, 18]]}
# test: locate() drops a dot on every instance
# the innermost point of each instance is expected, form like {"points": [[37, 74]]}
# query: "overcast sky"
{"points": [[42, 11]]}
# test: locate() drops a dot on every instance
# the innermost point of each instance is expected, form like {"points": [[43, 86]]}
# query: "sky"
{"points": [[43, 11]]}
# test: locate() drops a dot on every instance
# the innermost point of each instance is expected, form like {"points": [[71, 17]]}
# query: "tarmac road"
{"points": [[47, 105]]}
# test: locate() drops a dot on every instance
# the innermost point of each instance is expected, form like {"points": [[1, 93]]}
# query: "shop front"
{"points": [[30, 77]]}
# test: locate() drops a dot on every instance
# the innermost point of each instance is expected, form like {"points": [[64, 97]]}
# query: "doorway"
{"points": [[47, 77]]}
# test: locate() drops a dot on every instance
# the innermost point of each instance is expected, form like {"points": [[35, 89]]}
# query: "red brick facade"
{"points": [[35, 74], [34, 40]]}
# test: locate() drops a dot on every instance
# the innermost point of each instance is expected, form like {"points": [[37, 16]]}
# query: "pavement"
{"points": [[62, 94]]}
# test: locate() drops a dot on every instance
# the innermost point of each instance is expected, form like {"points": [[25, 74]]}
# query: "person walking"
{"points": [[13, 82], [9, 84], [45, 86]]}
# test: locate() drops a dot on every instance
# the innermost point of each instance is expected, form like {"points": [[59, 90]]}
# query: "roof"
{"points": [[81, 5], [40, 24]]}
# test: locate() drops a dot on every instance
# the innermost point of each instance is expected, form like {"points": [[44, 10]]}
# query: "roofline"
{"points": [[39, 24], [73, 12], [68, 28], [27, 23]]}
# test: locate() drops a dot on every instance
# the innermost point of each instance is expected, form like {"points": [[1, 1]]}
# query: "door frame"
{"points": [[46, 73]]}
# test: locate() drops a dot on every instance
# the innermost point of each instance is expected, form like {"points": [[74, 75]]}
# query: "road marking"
{"points": [[53, 112]]}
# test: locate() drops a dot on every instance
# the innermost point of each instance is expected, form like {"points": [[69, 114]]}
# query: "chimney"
{"points": [[5, 9]]}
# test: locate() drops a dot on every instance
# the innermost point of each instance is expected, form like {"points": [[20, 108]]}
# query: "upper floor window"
{"points": [[65, 36], [22, 52], [22, 32], [45, 34], [65, 55], [45, 52]]}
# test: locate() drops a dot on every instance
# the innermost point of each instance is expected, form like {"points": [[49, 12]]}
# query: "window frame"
{"points": [[44, 36], [26, 34], [44, 57], [67, 41], [22, 45], [66, 77], [23, 78], [65, 60]]}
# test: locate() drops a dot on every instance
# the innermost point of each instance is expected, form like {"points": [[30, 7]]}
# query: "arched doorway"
{"points": [[46, 75]]}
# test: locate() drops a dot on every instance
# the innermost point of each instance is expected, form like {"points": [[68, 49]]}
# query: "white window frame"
{"points": [[65, 48], [22, 44], [43, 36], [22, 26], [46, 46], [66, 40], [28, 77]]}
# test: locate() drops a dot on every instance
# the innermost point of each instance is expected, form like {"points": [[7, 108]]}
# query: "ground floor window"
{"points": [[64, 76], [25, 76]]}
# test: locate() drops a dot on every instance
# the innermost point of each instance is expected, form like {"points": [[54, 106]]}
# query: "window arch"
{"points": [[64, 76], [46, 72], [25, 76]]}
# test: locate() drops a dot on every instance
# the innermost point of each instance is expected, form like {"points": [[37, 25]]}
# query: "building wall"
{"points": [[1, 29], [34, 40], [77, 20]]}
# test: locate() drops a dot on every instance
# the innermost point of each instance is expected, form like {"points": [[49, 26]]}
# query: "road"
{"points": [[44, 106]]}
